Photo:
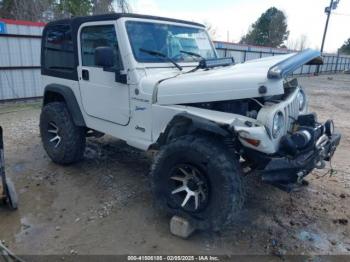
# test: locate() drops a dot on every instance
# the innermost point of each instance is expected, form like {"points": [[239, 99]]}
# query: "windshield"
{"points": [[169, 40]]}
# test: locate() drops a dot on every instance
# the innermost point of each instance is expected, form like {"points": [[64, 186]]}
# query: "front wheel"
{"points": [[63, 141], [197, 178]]}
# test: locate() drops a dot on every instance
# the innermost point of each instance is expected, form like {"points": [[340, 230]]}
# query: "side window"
{"points": [[59, 55], [97, 36]]}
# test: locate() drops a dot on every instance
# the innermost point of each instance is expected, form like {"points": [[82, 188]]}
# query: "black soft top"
{"points": [[75, 22]]}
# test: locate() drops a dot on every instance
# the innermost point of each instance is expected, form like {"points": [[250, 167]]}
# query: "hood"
{"points": [[233, 82]]}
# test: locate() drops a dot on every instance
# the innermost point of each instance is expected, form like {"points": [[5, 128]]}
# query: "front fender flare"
{"points": [[189, 124]]}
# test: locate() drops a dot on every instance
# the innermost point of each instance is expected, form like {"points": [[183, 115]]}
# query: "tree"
{"points": [[123, 6], [345, 48], [212, 30], [31, 10], [303, 42], [69, 8], [47, 10], [5, 9], [102, 7], [269, 30], [299, 44]]}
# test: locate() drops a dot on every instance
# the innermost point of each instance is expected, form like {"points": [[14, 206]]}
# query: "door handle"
{"points": [[85, 74]]}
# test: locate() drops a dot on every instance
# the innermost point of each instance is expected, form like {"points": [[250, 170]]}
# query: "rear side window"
{"points": [[58, 49], [98, 36]]}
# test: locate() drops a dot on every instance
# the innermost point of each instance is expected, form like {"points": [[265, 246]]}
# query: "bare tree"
{"points": [[31, 10], [47, 10], [303, 42], [102, 7], [123, 6], [70, 8], [212, 30], [298, 44]]}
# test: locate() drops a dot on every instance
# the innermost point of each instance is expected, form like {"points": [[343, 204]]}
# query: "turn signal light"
{"points": [[253, 142]]}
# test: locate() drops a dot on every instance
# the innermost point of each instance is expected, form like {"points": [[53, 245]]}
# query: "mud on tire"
{"points": [[212, 164], [63, 141]]}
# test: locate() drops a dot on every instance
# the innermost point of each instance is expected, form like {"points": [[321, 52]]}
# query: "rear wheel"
{"points": [[63, 141], [199, 179]]}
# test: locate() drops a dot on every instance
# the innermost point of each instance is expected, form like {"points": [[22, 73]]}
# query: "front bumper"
{"points": [[284, 170]]}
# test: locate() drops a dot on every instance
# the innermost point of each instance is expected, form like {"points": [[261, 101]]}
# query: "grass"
{"points": [[10, 107]]}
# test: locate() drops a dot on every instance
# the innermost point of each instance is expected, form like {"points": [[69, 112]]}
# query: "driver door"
{"points": [[102, 97]]}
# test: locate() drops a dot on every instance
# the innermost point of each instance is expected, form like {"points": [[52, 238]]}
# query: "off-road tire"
{"points": [[222, 170], [72, 146]]}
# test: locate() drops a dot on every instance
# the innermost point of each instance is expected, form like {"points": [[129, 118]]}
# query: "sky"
{"points": [[232, 18]]}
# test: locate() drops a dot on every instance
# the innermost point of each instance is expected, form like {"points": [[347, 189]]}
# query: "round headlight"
{"points": [[278, 124], [302, 100]]}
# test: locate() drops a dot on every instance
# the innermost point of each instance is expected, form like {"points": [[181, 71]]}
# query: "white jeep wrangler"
{"points": [[158, 84]]}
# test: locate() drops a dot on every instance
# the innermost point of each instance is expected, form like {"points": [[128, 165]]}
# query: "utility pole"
{"points": [[328, 10]]}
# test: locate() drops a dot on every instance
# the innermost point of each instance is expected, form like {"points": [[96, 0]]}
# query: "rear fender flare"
{"points": [[69, 98]]}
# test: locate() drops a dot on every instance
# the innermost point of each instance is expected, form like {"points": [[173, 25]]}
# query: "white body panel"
{"points": [[234, 82], [102, 96], [138, 112]]}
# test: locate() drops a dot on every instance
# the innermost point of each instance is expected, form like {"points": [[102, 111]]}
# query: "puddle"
{"points": [[316, 240], [18, 167], [26, 227], [322, 241]]}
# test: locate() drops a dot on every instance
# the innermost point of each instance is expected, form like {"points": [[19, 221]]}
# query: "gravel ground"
{"points": [[103, 205]]}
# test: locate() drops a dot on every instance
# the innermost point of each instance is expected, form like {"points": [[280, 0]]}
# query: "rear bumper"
{"points": [[284, 170]]}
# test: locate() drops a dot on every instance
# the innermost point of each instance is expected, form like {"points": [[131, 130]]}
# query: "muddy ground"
{"points": [[103, 205]]}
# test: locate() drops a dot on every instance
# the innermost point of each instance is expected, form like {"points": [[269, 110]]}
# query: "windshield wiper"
{"points": [[195, 55], [192, 54], [159, 54]]}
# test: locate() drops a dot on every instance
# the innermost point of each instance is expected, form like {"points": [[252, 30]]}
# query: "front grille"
{"points": [[291, 112]]}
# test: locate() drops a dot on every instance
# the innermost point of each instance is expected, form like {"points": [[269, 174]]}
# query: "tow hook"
{"points": [[300, 176], [320, 164]]}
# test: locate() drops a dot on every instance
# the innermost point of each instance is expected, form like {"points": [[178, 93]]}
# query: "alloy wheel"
{"points": [[54, 134], [189, 187]]}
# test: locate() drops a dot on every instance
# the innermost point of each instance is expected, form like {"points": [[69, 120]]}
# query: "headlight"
{"points": [[302, 100], [278, 124]]}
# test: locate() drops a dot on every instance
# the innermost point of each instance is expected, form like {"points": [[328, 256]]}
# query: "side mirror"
{"points": [[104, 56]]}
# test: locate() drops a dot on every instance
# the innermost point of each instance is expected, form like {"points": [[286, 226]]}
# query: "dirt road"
{"points": [[103, 205]]}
